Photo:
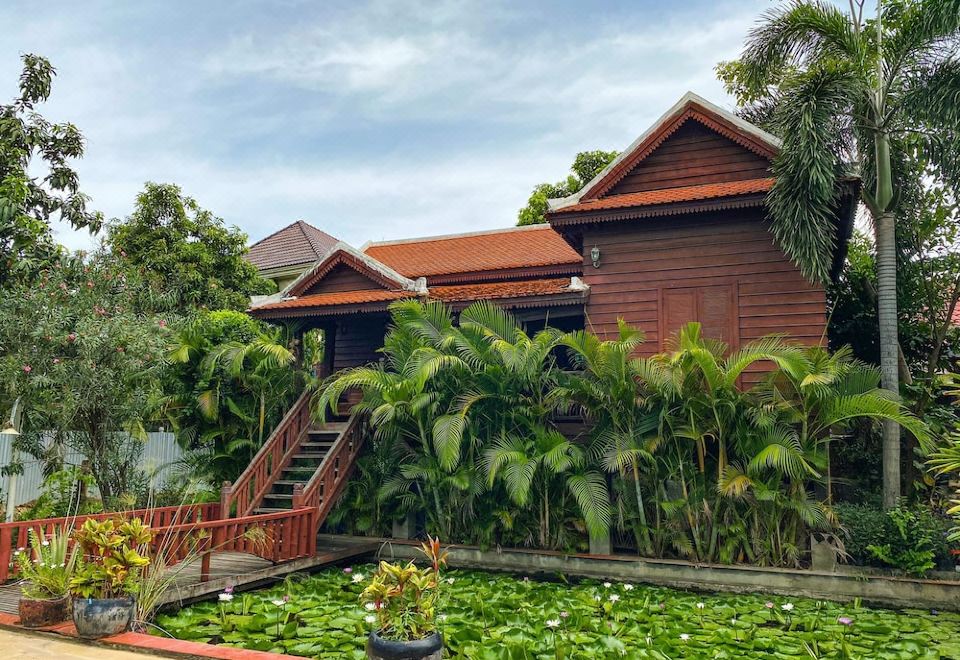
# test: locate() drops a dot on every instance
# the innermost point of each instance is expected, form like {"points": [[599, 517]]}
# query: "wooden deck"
{"points": [[237, 570]]}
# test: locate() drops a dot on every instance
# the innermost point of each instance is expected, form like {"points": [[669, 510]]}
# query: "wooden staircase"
{"points": [[301, 465], [314, 447]]}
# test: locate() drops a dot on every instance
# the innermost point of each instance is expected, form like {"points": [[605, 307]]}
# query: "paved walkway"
{"points": [[26, 646]]}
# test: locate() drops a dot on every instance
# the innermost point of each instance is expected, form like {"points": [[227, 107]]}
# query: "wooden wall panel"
{"points": [[723, 265], [693, 155], [357, 340], [343, 278]]}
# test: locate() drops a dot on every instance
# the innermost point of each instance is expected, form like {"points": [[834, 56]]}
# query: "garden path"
{"points": [[25, 646]]}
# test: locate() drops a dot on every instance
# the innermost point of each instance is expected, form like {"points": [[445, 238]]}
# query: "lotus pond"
{"points": [[496, 616]]}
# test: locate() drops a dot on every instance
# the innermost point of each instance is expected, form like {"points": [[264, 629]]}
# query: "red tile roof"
{"points": [[672, 195], [297, 243], [495, 290], [517, 247], [337, 298]]}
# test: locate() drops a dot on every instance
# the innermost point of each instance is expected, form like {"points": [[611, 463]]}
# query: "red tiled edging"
{"points": [[151, 644]]}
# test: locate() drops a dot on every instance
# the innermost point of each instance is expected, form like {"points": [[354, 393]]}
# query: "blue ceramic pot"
{"points": [[102, 617], [428, 648]]}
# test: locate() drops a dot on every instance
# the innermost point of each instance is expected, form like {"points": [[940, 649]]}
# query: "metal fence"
{"points": [[160, 450]]}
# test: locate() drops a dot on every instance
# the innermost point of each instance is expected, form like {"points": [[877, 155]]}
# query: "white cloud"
{"points": [[498, 98]]}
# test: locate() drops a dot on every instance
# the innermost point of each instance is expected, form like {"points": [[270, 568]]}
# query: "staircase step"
{"points": [[268, 509], [278, 496], [329, 427], [290, 482]]}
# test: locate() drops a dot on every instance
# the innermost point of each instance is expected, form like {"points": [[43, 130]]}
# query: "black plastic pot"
{"points": [[102, 617], [428, 648]]}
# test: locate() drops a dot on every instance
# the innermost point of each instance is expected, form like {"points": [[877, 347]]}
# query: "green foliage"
{"points": [[171, 240], [231, 380], [496, 615], [678, 454], [898, 533], [85, 362], [63, 495], [585, 167], [405, 598], [113, 558], [37, 182], [914, 551], [46, 565]]}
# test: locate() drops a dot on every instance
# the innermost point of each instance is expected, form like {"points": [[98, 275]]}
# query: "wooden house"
{"points": [[674, 230]]}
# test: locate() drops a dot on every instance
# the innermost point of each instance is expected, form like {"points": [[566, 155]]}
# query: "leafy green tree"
{"points": [[85, 363], [838, 87], [28, 144], [585, 166], [170, 239], [230, 381]]}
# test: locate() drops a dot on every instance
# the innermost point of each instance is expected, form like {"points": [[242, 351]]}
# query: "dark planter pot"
{"points": [[428, 648], [102, 617], [41, 613]]}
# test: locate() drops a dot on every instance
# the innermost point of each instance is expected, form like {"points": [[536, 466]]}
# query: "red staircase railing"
{"points": [[245, 494], [13, 535], [326, 484]]}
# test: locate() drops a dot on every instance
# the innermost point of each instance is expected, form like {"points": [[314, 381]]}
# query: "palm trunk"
{"points": [[887, 315], [643, 516]]}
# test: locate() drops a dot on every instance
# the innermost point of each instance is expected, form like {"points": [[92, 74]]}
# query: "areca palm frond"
{"points": [[783, 451]]}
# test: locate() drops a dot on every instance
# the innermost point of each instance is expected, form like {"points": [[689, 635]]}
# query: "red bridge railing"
{"points": [[13, 535]]}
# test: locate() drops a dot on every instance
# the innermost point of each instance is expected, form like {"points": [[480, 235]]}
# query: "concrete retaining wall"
{"points": [[876, 590]]}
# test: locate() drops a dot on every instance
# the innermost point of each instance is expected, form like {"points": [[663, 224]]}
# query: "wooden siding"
{"points": [[342, 278], [693, 155], [722, 269], [357, 340]]}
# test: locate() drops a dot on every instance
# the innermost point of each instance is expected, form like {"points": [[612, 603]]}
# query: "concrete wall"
{"points": [[876, 590]]}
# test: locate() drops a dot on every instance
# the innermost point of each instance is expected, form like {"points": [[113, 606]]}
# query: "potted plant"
{"points": [[45, 567], [403, 603], [107, 575]]}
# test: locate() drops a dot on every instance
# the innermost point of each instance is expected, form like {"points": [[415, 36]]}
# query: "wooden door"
{"points": [[713, 307]]}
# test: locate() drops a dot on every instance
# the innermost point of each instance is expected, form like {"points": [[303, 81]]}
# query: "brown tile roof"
{"points": [[337, 298], [297, 243], [517, 247], [671, 195], [495, 290]]}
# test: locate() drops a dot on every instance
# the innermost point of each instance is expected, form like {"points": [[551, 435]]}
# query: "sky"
{"points": [[371, 120]]}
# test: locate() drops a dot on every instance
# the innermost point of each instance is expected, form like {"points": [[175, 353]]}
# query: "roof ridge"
{"points": [[444, 237], [318, 249], [675, 112]]}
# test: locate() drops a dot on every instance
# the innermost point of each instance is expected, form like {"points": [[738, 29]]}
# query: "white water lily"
{"points": [[358, 577], [787, 606], [370, 618], [684, 636], [553, 623], [700, 606], [628, 587], [607, 585], [225, 598], [278, 603], [370, 607], [450, 580], [597, 598], [442, 617], [614, 598]]}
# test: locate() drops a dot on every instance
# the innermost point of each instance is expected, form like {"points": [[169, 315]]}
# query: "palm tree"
{"points": [[837, 88], [607, 390]]}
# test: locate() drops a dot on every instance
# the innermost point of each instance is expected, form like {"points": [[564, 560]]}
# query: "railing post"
{"points": [[205, 560], [297, 496], [226, 492]]}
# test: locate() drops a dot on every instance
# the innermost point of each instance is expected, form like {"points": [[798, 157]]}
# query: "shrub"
{"points": [[905, 538]]}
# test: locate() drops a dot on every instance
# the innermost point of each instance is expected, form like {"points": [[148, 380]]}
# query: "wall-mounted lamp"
{"points": [[595, 256]]}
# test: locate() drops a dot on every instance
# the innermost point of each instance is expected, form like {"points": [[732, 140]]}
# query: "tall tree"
{"points": [[839, 87], [585, 166], [28, 144], [171, 239], [85, 364]]}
